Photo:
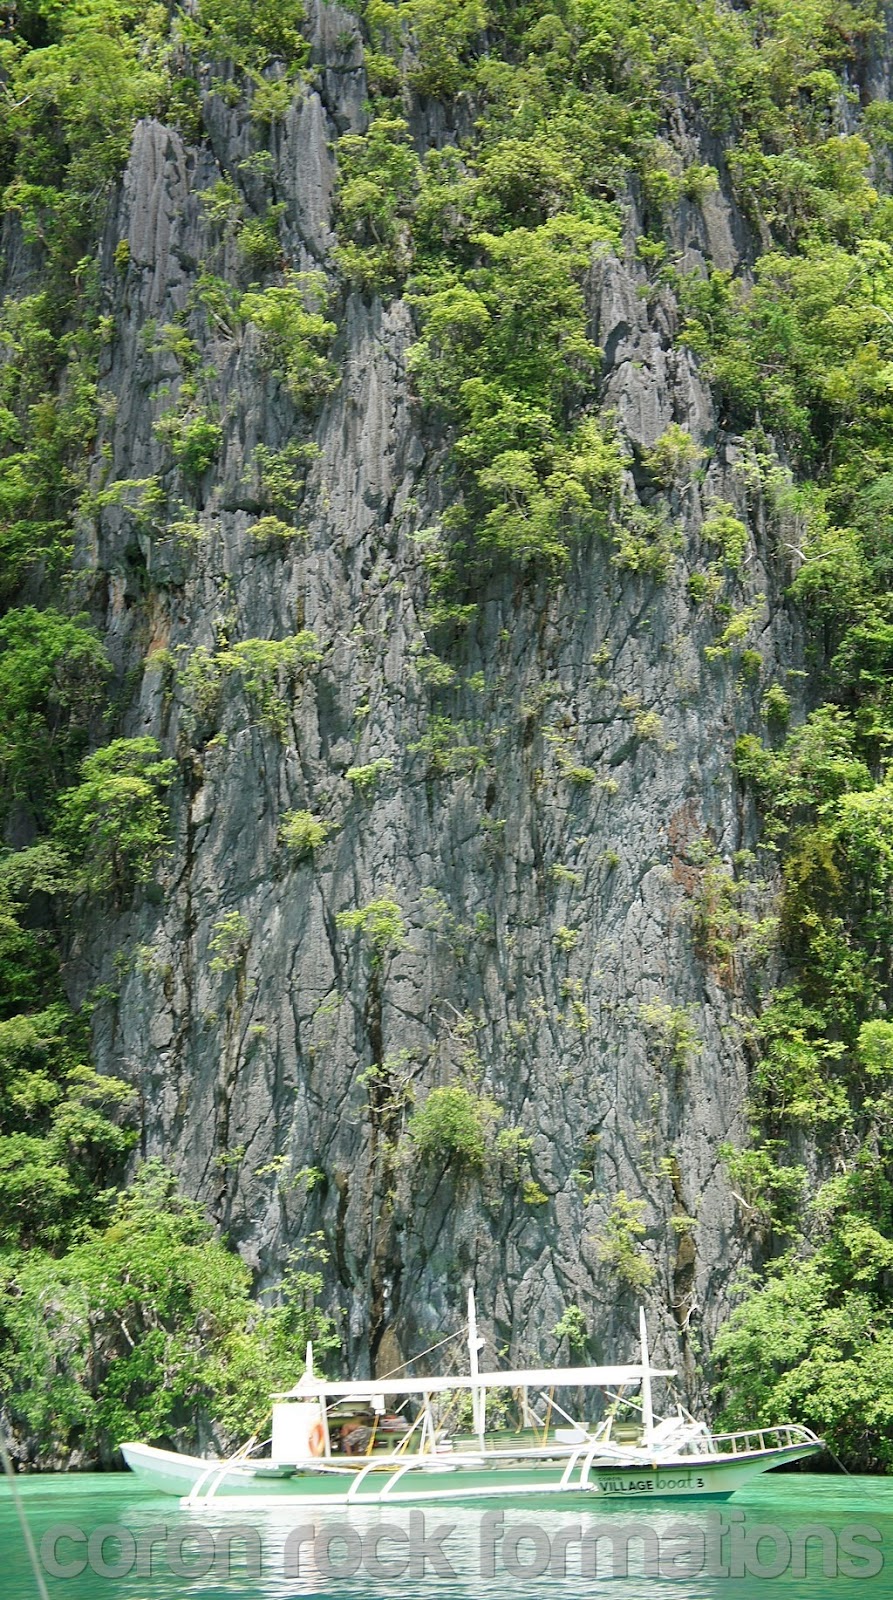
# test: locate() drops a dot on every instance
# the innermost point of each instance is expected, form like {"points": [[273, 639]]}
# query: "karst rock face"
{"points": [[546, 867]]}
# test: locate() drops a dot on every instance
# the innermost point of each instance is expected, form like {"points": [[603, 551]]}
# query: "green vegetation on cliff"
{"points": [[572, 108], [145, 1328], [87, 809], [493, 239], [568, 115]]}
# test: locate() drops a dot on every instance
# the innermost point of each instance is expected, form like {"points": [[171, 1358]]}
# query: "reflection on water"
{"points": [[816, 1538]]}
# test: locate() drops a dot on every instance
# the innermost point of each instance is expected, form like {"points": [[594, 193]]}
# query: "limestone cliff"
{"points": [[547, 862]]}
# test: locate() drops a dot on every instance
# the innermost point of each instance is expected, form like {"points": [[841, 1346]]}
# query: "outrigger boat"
{"points": [[351, 1443]]}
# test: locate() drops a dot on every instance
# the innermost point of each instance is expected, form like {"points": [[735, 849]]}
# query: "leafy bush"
{"points": [[439, 34], [617, 1244], [271, 530], [722, 527], [365, 778], [673, 1032], [798, 1079], [725, 934], [62, 1129], [530, 487], [644, 540], [281, 474], [194, 441], [229, 940], [251, 32], [72, 109], [875, 1048], [736, 631], [381, 921], [800, 346], [776, 705], [449, 748], [268, 668], [263, 664], [53, 675], [222, 205], [769, 1192], [46, 426], [453, 1125], [113, 821], [259, 244], [378, 173], [301, 832], [673, 457], [813, 1343], [146, 1329], [571, 1326], [296, 339], [823, 806]]}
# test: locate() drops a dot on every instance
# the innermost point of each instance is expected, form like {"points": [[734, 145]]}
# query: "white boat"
{"points": [[346, 1443]]}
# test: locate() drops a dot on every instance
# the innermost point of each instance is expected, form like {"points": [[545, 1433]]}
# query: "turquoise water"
{"points": [[754, 1544]]}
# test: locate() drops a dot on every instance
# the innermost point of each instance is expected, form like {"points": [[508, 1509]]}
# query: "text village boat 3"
{"points": [[409, 1440]]}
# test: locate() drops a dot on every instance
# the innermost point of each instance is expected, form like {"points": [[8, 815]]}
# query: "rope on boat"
{"points": [[23, 1520], [868, 1488], [450, 1338]]}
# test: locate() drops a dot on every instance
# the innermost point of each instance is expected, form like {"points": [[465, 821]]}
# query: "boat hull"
{"points": [[168, 1472], [199, 1483]]}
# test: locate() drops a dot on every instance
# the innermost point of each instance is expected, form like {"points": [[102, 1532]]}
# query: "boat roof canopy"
{"points": [[527, 1378]]}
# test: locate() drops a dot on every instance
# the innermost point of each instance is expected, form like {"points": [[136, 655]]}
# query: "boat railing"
{"points": [[206, 1486], [752, 1439], [579, 1460]]}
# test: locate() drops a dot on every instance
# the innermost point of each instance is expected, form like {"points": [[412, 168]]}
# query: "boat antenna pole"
{"points": [[478, 1396], [647, 1411]]}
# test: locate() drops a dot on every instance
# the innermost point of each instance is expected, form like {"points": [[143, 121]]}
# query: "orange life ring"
{"points": [[317, 1439]]}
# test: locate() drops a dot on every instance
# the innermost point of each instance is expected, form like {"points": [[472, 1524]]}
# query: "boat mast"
{"points": [[647, 1411], [478, 1396]]}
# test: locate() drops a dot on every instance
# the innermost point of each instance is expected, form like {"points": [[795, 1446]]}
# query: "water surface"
{"points": [[798, 1536]]}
